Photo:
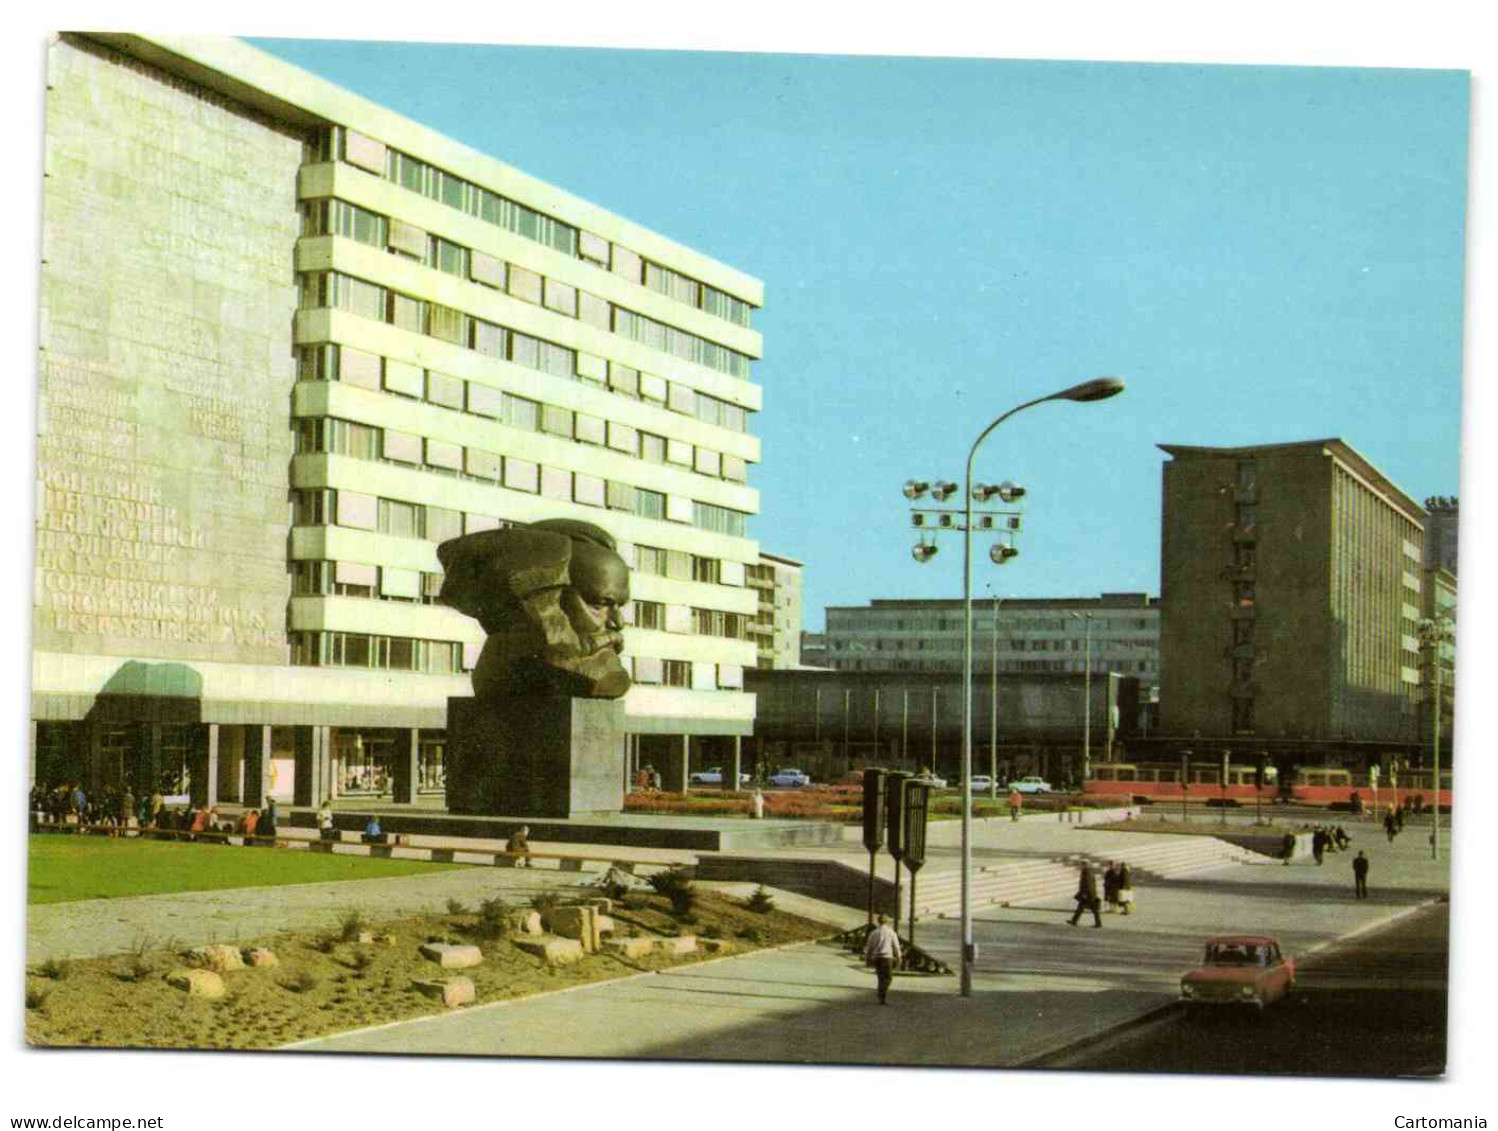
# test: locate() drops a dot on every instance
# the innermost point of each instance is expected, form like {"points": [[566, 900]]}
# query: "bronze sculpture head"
{"points": [[549, 595]]}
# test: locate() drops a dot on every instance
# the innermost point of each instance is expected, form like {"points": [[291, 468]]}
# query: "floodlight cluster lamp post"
{"points": [[1097, 389], [1434, 634]]}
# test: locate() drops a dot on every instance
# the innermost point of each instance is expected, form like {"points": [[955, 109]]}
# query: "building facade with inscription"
{"points": [[292, 341]]}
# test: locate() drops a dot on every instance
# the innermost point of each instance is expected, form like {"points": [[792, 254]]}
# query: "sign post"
{"points": [[873, 824], [1185, 782], [894, 824], [917, 806]]}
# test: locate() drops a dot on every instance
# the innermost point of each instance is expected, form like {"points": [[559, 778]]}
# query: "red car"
{"points": [[1239, 970]]}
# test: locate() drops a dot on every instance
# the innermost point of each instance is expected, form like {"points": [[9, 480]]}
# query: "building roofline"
{"points": [[1335, 447], [288, 93], [765, 554]]}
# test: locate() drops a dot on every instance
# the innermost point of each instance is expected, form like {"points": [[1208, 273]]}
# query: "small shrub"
{"points": [[351, 925], [301, 982], [324, 945], [494, 919], [456, 907], [711, 931], [676, 885], [689, 917], [55, 969], [546, 901], [634, 903], [361, 960], [752, 935], [36, 998], [761, 901]]}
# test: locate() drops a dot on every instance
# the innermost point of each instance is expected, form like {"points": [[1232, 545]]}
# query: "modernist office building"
{"points": [[291, 341], [1292, 586], [1120, 632], [776, 628]]}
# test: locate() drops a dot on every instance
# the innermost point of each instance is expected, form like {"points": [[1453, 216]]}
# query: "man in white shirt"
{"points": [[882, 951]]}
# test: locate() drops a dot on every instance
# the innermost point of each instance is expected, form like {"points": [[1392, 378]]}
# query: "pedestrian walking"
{"points": [[1360, 876], [1125, 888], [1389, 828], [882, 952], [1086, 897], [325, 820], [1016, 803], [1318, 845], [1110, 886]]}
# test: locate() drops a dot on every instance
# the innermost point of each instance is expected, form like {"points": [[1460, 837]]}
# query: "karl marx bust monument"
{"points": [[549, 596], [544, 734]]}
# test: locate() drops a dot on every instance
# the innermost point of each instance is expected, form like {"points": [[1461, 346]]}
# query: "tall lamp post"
{"points": [[1434, 634], [1086, 618], [993, 709], [1097, 389]]}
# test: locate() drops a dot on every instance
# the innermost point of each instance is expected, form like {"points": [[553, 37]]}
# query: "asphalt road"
{"points": [[1374, 1006]]}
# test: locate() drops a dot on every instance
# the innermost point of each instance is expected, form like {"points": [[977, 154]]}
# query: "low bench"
{"points": [[153, 832]]}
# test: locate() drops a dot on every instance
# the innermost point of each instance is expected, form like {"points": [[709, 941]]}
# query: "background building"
{"points": [[1440, 532], [1291, 589], [828, 722], [776, 628], [461, 347], [1035, 634]]}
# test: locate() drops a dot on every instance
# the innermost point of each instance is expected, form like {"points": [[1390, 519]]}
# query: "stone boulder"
{"points": [[451, 956], [579, 923], [605, 924], [197, 982], [599, 903], [259, 956], [681, 944], [717, 946], [217, 957], [525, 922], [453, 991], [630, 948], [553, 950]]}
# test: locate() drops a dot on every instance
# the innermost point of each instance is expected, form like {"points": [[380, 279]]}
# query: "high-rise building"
{"points": [[1120, 631], [1440, 532], [777, 626], [292, 341], [1291, 589]]}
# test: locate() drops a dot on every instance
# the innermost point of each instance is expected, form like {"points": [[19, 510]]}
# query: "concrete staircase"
{"points": [[1028, 882], [1169, 857], [1021, 881]]}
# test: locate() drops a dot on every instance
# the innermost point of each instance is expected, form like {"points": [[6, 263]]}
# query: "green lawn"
{"points": [[62, 868]]}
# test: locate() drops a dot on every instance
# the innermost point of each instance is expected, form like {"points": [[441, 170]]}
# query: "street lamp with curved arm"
{"points": [[1097, 389]]}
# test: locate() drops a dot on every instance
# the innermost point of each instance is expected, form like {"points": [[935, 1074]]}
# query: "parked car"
{"points": [[932, 780], [1031, 784], [981, 783], [1239, 970], [790, 779], [714, 776]]}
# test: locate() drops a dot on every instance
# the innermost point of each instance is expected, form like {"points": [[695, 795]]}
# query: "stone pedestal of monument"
{"points": [[523, 756]]}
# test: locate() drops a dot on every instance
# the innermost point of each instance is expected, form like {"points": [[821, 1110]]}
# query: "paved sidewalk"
{"points": [[1039, 985]]}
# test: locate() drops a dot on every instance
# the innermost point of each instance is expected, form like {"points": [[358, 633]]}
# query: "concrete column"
{"points": [[210, 790], [323, 755], [686, 760], [255, 767], [407, 775], [738, 760]]}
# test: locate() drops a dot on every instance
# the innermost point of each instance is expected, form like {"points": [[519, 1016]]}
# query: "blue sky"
{"points": [[1263, 253]]}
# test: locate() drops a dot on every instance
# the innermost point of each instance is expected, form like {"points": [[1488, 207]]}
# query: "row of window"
{"points": [[387, 653], [1142, 667], [854, 621], [331, 507], [1014, 644], [367, 371], [333, 217], [340, 144], [387, 583], [368, 300]]}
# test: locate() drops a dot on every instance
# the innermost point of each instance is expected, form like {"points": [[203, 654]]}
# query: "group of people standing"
{"points": [[116, 808], [1328, 838], [1118, 892]]}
